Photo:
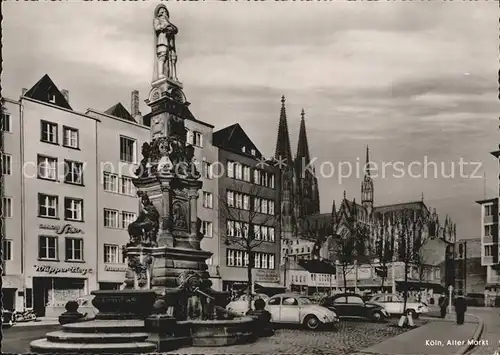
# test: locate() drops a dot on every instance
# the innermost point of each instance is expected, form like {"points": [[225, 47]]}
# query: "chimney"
{"points": [[24, 91], [134, 106], [65, 94]]}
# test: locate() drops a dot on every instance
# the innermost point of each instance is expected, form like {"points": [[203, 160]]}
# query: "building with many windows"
{"points": [[470, 275], [68, 197], [247, 194]]}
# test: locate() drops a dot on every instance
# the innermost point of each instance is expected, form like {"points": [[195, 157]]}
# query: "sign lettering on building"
{"points": [[265, 275], [363, 273], [64, 229], [57, 270], [115, 268]]}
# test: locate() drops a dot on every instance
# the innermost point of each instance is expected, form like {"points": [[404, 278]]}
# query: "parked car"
{"points": [[394, 304], [475, 299], [85, 306], [293, 308], [240, 306], [8, 318], [351, 305]]}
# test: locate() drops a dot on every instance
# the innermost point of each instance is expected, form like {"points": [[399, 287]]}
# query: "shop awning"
{"points": [[438, 288], [269, 285]]}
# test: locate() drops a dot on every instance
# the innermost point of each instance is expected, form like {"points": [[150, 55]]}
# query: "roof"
{"points": [[234, 138], [316, 222], [302, 145], [283, 148], [316, 266], [398, 207], [120, 111], [489, 200], [288, 294], [44, 90]]}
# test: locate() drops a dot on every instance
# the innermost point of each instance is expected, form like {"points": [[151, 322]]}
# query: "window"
{"points": [[127, 218], [47, 206], [230, 257], [487, 230], [263, 261], [207, 200], [7, 249], [52, 98], [246, 173], [246, 202], [49, 132], [206, 229], [6, 164], [47, 168], [47, 247], [73, 172], [110, 182], [270, 209], [460, 251], [274, 301], [290, 302], [110, 218], [488, 210], [257, 259], [257, 202], [230, 229], [252, 151], [230, 169], [70, 137], [5, 123], [256, 176], [197, 139], [73, 209], [127, 150], [127, 187], [111, 253], [238, 171], [230, 198], [7, 211], [271, 262], [207, 170], [488, 250], [243, 149], [74, 249]]}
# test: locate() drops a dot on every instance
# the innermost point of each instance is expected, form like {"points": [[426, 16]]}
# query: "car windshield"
{"points": [[396, 298], [304, 301]]}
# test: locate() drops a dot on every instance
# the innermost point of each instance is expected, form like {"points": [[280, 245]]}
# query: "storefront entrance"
{"points": [[9, 298], [49, 292]]}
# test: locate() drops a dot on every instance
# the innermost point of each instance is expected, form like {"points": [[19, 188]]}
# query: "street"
{"points": [[491, 332], [349, 336]]}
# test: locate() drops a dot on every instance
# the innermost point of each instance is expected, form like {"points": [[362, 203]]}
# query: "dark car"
{"points": [[475, 299], [351, 305], [7, 318]]}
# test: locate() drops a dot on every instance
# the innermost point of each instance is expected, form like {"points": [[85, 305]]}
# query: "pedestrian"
{"points": [[443, 303], [460, 307]]}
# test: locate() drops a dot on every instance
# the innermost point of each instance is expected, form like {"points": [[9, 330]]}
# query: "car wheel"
{"points": [[412, 313], [312, 322], [377, 316]]}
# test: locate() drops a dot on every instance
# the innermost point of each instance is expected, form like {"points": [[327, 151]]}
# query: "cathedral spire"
{"points": [[367, 164], [283, 149], [303, 146]]}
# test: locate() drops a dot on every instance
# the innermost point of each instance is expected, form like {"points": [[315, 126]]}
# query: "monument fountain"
{"points": [[168, 301]]}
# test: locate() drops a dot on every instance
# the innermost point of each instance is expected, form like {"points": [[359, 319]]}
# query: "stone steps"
{"points": [[62, 336], [96, 337], [44, 346], [105, 326]]}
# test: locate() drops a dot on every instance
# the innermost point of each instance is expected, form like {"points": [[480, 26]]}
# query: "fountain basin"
{"points": [[123, 304], [222, 332]]}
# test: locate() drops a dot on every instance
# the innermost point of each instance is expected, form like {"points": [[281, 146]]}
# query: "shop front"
{"points": [[53, 286], [267, 281]]}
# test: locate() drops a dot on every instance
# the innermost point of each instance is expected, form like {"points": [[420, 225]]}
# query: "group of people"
{"points": [[459, 303]]}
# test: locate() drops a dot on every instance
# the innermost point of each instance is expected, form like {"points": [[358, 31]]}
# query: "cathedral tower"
{"points": [[307, 202], [283, 157]]}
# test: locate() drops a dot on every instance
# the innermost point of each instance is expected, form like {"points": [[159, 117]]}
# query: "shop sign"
{"points": [[64, 229], [58, 270], [115, 268], [265, 275], [364, 273]]}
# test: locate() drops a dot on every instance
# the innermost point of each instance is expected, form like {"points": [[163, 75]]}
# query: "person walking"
{"points": [[443, 304], [460, 308]]}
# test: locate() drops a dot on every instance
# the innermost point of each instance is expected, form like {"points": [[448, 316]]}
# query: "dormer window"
{"points": [[52, 98], [243, 149], [252, 152]]}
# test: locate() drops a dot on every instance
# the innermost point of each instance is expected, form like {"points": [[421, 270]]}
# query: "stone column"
{"points": [[166, 237], [193, 218]]}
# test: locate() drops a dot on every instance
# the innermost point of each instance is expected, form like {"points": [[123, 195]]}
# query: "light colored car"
{"points": [[292, 308], [240, 306], [394, 304]]}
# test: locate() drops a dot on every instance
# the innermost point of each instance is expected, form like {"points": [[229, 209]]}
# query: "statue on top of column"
{"points": [[166, 55]]}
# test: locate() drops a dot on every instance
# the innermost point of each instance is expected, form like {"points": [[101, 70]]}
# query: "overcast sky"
{"points": [[413, 80]]}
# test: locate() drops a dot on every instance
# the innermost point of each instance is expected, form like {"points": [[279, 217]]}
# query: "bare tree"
{"points": [[350, 246], [384, 250], [410, 241], [248, 215]]}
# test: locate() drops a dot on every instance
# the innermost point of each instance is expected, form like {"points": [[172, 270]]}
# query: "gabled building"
{"points": [[248, 194]]}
